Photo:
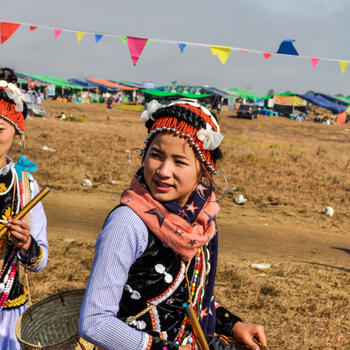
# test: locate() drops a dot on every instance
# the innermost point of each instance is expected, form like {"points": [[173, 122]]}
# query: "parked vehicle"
{"points": [[248, 111], [35, 110]]}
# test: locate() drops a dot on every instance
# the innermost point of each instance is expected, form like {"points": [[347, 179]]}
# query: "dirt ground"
{"points": [[289, 172], [247, 233]]}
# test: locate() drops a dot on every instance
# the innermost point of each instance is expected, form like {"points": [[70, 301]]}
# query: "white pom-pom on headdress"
{"points": [[151, 108], [14, 93], [211, 139]]}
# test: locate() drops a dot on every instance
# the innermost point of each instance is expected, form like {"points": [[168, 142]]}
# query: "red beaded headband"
{"points": [[9, 113]]}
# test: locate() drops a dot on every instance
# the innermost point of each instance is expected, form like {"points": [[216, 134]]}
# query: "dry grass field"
{"points": [[288, 171]]}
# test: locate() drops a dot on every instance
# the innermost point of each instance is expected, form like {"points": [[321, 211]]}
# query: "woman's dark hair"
{"points": [[10, 76]]}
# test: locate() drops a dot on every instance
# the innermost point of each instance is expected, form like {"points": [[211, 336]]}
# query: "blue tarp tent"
{"points": [[335, 99], [215, 91], [321, 101], [88, 84]]}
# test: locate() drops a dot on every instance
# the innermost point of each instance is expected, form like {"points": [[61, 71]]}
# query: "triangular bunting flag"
{"points": [[31, 28], [80, 35], [98, 37], [148, 42], [222, 52], [123, 39], [7, 29], [287, 48], [136, 46], [314, 62], [343, 65], [57, 33], [181, 47], [244, 51], [267, 55]]}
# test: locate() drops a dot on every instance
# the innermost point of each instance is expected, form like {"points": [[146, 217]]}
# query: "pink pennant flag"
{"points": [[244, 51], [136, 46], [266, 55], [314, 62], [57, 33], [31, 28]]}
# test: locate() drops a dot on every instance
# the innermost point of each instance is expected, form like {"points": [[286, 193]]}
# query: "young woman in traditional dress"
{"points": [[158, 248], [25, 242]]}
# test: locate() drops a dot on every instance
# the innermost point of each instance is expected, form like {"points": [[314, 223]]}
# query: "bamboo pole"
{"points": [[28, 207], [197, 329]]}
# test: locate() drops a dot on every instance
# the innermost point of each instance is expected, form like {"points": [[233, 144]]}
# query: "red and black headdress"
{"points": [[189, 120], [12, 106]]}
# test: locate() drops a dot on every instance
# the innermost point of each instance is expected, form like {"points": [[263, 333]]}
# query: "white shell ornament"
{"points": [[168, 278], [135, 295], [160, 268]]}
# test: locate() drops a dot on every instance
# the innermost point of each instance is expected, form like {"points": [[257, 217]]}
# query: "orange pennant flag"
{"points": [[80, 36], [7, 29], [267, 55], [314, 62], [343, 65], [222, 52]]}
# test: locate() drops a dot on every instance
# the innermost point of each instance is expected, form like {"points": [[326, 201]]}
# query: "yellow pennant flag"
{"points": [[343, 65], [222, 52], [80, 36]]}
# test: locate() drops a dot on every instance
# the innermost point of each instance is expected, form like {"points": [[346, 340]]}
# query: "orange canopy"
{"points": [[110, 84]]}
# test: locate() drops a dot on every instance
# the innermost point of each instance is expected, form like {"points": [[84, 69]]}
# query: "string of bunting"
{"points": [[137, 44]]}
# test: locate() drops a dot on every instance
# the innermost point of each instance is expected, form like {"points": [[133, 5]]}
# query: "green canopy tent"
{"points": [[248, 94], [346, 100], [288, 93], [52, 80]]}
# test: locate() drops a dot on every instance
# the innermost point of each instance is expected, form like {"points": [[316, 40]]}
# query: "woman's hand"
{"points": [[245, 332], [20, 235]]}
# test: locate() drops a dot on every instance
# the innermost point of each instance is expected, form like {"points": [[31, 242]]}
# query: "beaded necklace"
{"points": [[194, 288], [9, 279], [7, 210], [10, 265]]}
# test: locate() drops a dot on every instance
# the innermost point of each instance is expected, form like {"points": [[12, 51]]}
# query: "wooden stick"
{"points": [[28, 207], [197, 329]]}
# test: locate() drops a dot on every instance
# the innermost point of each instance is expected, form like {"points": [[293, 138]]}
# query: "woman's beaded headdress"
{"points": [[12, 112], [189, 120]]}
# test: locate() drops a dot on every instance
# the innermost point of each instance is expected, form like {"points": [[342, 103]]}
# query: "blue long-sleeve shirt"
{"points": [[123, 239]]}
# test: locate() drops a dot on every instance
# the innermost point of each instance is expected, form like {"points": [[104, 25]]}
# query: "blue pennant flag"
{"points": [[98, 37], [287, 48], [182, 47]]}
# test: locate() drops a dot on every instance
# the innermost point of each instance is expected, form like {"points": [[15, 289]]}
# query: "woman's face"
{"points": [[171, 168], [7, 134]]}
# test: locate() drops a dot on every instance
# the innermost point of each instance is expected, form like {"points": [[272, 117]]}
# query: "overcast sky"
{"points": [[319, 27]]}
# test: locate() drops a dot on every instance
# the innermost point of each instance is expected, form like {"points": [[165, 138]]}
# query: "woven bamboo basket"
{"points": [[52, 322]]}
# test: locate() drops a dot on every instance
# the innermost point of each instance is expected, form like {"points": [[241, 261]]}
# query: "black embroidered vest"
{"points": [[156, 281]]}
